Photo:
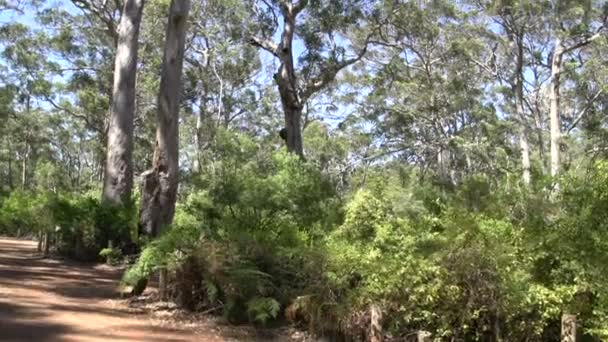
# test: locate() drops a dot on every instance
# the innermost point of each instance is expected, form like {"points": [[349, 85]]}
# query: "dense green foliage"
{"points": [[426, 187], [80, 225], [459, 263]]}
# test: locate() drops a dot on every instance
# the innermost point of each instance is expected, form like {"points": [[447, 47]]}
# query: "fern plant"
{"points": [[261, 309]]}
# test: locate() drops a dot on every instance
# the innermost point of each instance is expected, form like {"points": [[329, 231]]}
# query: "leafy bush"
{"points": [[266, 232], [241, 240], [25, 213], [81, 225], [112, 255]]}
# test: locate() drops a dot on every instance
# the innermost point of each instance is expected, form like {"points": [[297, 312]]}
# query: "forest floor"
{"points": [[45, 299]]}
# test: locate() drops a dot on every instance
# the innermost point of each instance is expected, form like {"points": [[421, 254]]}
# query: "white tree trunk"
{"points": [[525, 156], [198, 135], [159, 185], [519, 108], [118, 175], [10, 166], [554, 111], [26, 156]]}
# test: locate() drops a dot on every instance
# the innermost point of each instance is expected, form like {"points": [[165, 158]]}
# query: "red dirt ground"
{"points": [[53, 300]]}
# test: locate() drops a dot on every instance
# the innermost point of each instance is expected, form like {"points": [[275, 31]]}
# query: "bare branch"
{"points": [[485, 67], [585, 41], [265, 44], [72, 113], [583, 111], [386, 44], [384, 153]]}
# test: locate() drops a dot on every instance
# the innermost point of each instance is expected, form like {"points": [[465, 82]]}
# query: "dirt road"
{"points": [[50, 300]]}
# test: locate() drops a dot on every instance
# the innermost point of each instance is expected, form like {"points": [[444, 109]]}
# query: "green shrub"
{"points": [[81, 226], [241, 239], [262, 233], [112, 255]]}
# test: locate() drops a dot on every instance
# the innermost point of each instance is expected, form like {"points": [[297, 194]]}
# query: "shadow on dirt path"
{"points": [[53, 300]]}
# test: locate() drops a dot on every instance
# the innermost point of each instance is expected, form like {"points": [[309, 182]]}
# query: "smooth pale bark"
{"points": [[26, 156], [286, 81], [539, 132], [519, 104], [28, 147], [524, 146], [79, 172], [118, 174], [10, 166], [196, 167], [159, 185], [443, 166], [162, 284], [198, 136], [554, 112]]}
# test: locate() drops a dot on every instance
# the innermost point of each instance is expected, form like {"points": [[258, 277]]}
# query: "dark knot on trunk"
{"points": [[283, 133]]}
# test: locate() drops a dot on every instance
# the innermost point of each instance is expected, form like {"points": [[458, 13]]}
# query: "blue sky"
{"points": [[29, 13]]}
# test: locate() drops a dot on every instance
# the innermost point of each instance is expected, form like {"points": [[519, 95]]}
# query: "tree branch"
{"points": [[384, 153], [584, 41], [71, 112], [583, 111], [297, 8], [328, 74], [87, 6], [485, 67], [16, 6], [265, 44]]}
